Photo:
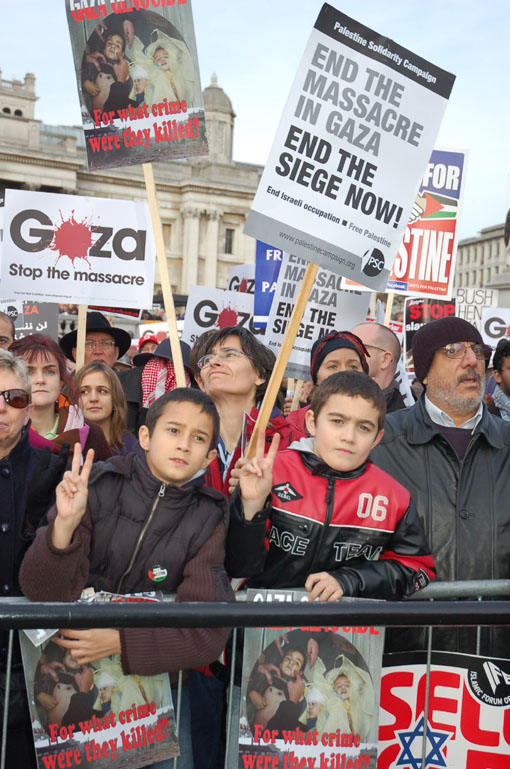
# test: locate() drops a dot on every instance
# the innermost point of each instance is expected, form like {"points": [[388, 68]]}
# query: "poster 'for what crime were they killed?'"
{"points": [[61, 248], [309, 696], [138, 81], [350, 150]]}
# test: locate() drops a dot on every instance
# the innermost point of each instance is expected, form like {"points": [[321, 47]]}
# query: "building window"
{"points": [[18, 112], [229, 241], [6, 110]]}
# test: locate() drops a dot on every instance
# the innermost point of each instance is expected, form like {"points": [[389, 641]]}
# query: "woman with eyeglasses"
{"points": [[56, 416], [103, 403], [234, 368]]}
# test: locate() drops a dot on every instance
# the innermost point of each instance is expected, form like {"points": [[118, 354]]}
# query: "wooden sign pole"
{"points": [[297, 394], [163, 274], [389, 307], [283, 356], [80, 336]]}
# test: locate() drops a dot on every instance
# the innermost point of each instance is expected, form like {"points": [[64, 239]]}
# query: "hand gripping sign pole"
{"points": [[283, 356], [163, 274]]}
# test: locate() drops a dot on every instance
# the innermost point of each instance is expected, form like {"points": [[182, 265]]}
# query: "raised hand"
{"points": [[72, 494], [256, 476]]}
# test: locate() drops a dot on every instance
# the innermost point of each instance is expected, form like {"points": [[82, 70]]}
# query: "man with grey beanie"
{"points": [[454, 458]]}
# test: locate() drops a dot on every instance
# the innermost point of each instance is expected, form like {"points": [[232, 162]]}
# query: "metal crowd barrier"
{"points": [[442, 604]]}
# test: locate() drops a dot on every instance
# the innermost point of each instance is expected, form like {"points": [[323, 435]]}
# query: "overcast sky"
{"points": [[254, 47]]}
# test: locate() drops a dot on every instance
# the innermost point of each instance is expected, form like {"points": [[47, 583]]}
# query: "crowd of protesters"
{"points": [[107, 475]]}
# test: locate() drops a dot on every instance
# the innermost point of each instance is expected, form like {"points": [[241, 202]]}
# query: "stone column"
{"points": [[211, 254], [190, 248]]}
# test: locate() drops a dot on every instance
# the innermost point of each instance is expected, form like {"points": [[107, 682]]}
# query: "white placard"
{"points": [[328, 309], [350, 150], [212, 308], [68, 248]]}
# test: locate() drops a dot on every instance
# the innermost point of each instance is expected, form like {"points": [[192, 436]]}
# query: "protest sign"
{"points": [[350, 149], [213, 308], [495, 324], [138, 81], [267, 268], [15, 312], [417, 312], [471, 301], [468, 717], [94, 714], [319, 705], [328, 309], [71, 248], [39, 318], [425, 262], [242, 278]]}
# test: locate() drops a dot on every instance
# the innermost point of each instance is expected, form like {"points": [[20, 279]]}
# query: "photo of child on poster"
{"points": [[310, 692], [139, 86], [311, 681], [95, 713]]}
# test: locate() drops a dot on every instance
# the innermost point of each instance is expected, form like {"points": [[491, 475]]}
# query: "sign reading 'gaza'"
{"points": [[65, 247]]}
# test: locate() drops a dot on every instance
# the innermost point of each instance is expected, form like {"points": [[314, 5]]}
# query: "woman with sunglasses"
{"points": [[27, 483], [56, 416], [234, 368], [103, 403]]}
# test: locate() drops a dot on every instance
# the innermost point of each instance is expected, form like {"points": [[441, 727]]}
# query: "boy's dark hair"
{"points": [[263, 358], [185, 395], [354, 384], [291, 650], [502, 352]]}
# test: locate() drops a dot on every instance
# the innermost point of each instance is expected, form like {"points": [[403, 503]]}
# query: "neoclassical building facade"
{"points": [[203, 201]]}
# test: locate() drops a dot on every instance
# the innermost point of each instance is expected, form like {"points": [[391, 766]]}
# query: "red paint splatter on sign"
{"points": [[72, 239], [243, 286], [227, 317]]}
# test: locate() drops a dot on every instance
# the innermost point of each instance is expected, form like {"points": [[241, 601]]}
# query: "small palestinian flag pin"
{"points": [[157, 574]]}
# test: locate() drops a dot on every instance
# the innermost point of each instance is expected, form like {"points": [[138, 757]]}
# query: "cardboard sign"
{"points": [[495, 324], [417, 312], [268, 261], [67, 248], [425, 263], [39, 318], [349, 152], [470, 303], [328, 309], [212, 308], [138, 81], [94, 715], [324, 715], [242, 278], [468, 719]]}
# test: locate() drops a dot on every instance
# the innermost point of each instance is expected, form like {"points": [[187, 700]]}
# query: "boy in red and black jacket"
{"points": [[321, 516]]}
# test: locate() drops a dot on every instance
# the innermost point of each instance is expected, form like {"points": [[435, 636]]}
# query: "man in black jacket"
{"points": [[453, 457], [384, 350]]}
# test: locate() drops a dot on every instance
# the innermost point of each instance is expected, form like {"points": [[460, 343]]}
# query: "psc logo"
{"points": [[372, 262]]}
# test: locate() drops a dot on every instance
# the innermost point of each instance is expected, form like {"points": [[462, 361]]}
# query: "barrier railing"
{"points": [[438, 605]]}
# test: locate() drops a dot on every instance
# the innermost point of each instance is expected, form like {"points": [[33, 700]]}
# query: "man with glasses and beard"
{"points": [[453, 457], [28, 478]]}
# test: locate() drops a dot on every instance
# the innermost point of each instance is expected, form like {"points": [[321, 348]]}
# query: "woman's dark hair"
{"points": [[263, 359], [185, 395], [34, 345], [119, 403], [354, 384]]}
